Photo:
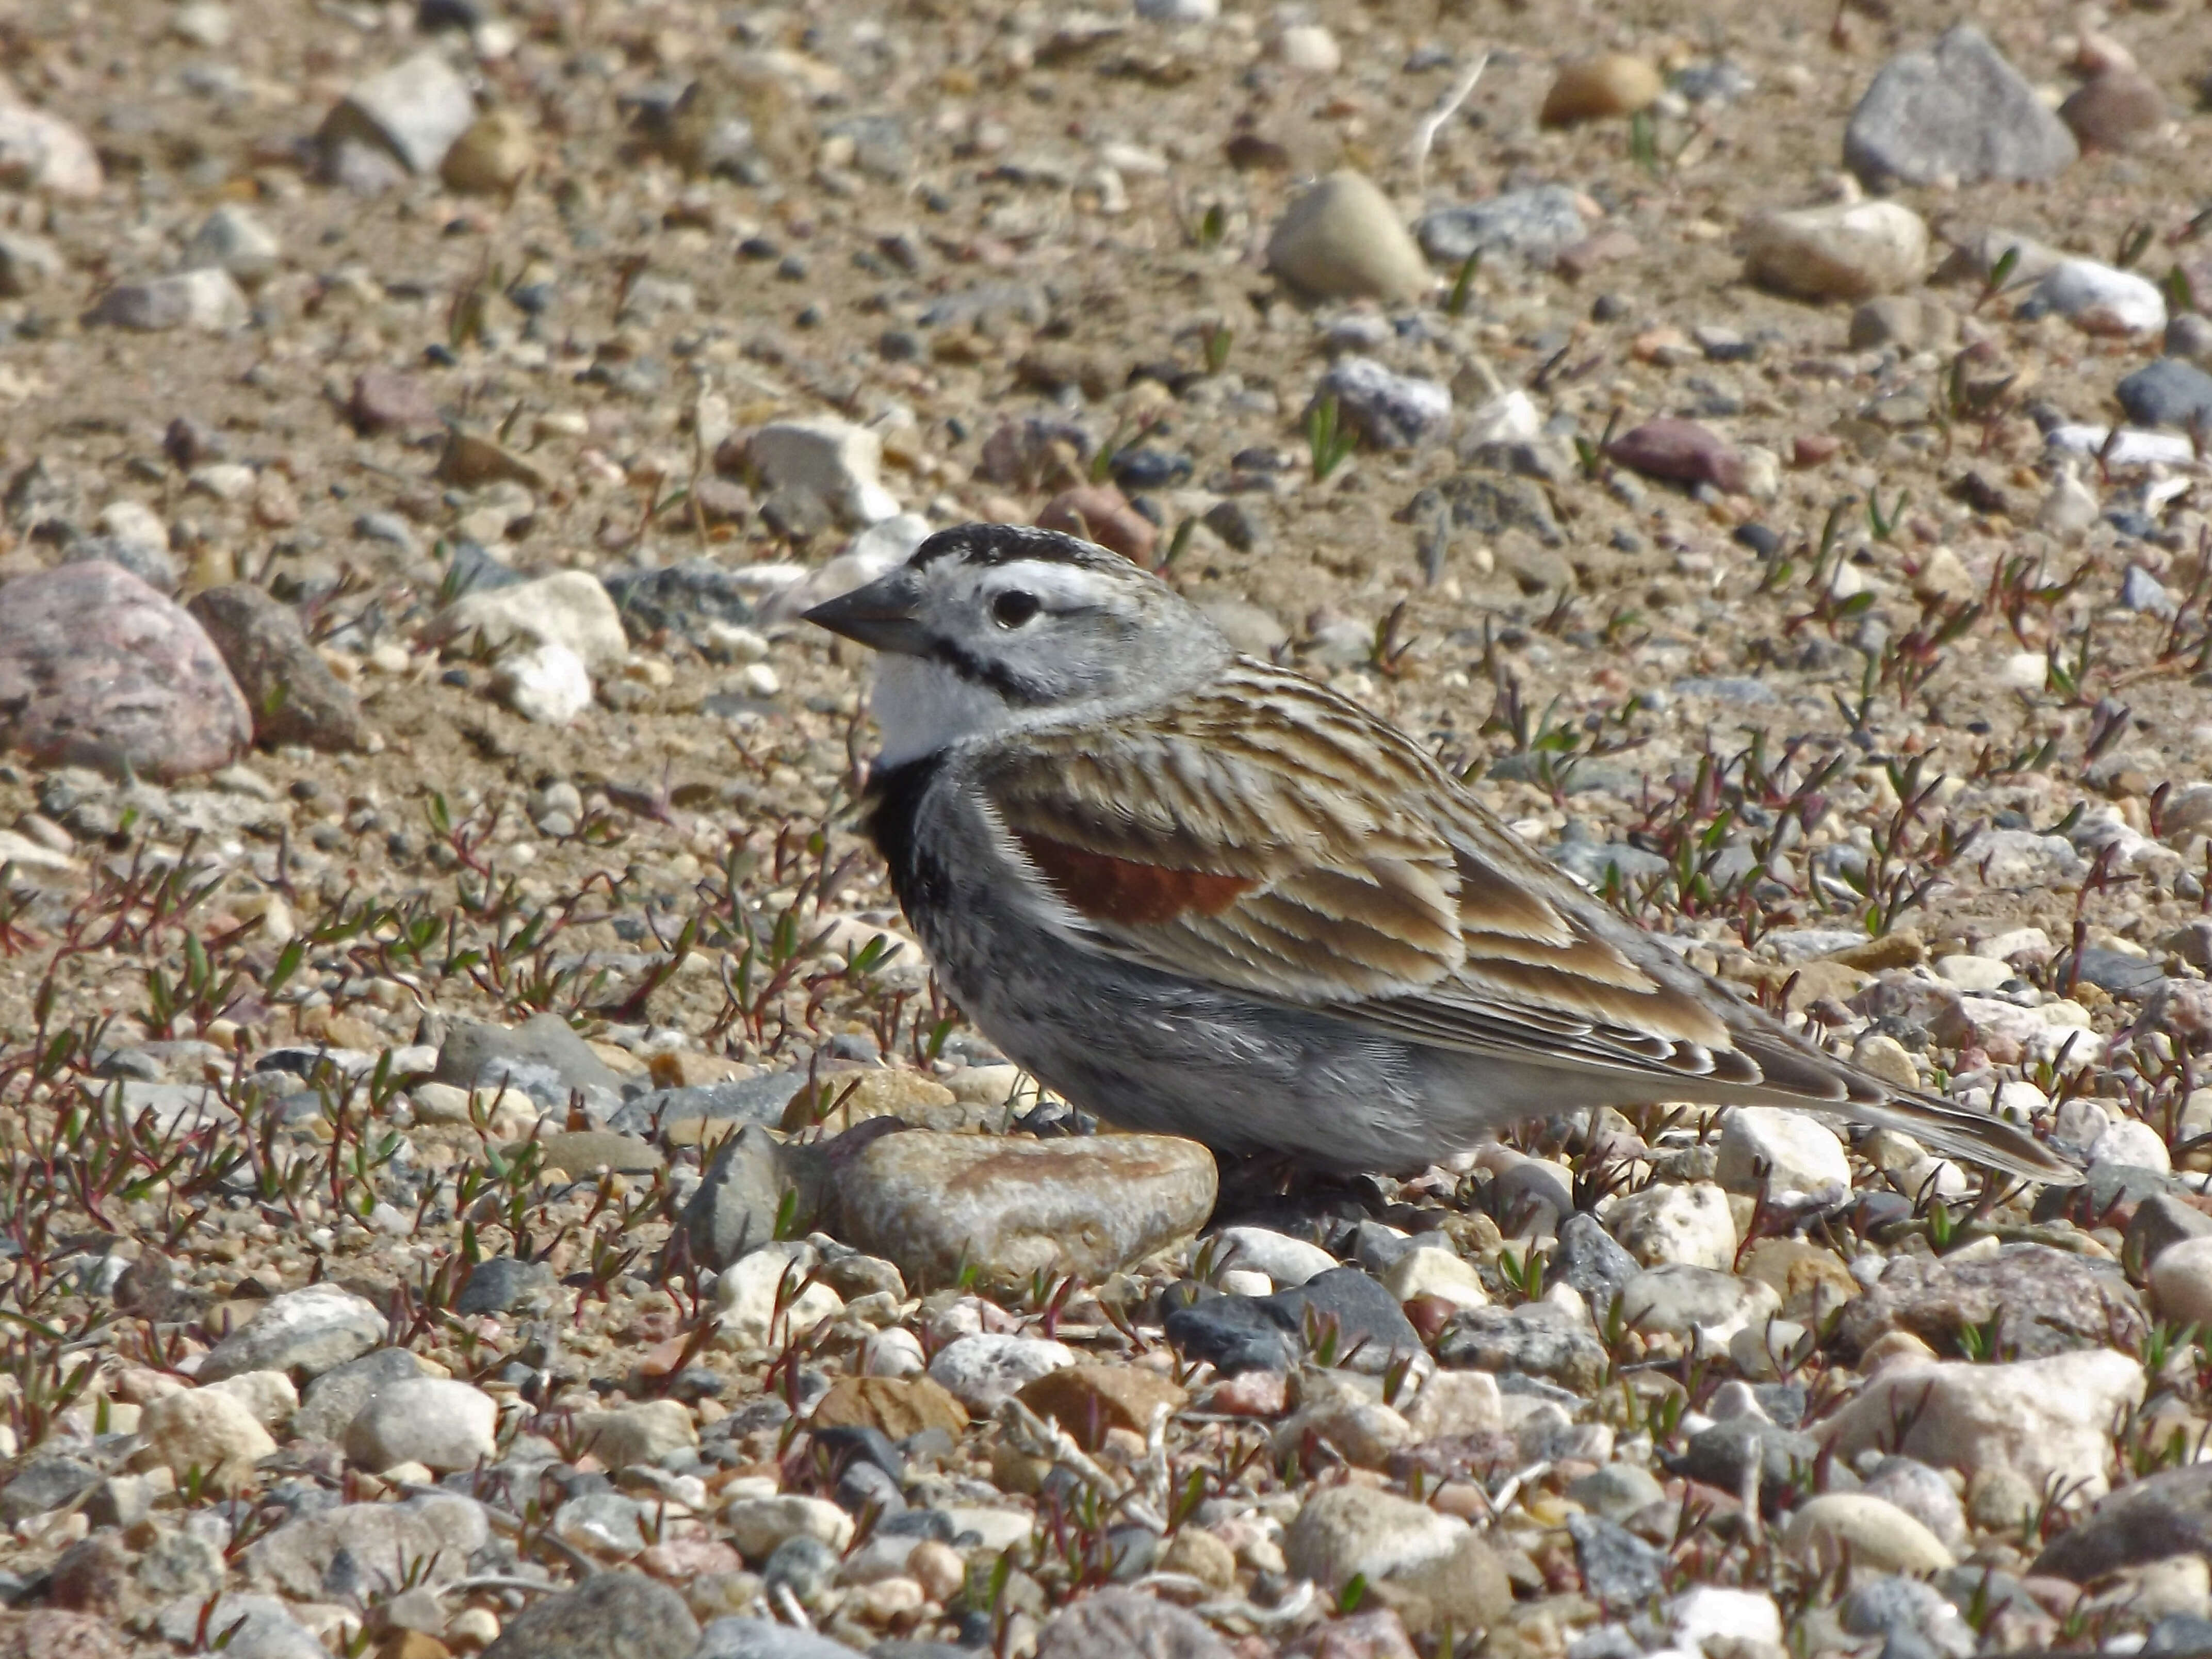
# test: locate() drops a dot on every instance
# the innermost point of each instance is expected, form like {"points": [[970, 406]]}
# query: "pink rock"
{"points": [[1253, 1394], [1100, 513], [385, 400], [97, 669], [1681, 452]]}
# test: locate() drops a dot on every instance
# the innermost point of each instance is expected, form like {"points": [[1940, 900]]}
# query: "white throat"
{"points": [[922, 705]]}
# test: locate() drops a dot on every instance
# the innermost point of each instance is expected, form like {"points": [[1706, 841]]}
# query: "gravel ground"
{"points": [[490, 1172]]}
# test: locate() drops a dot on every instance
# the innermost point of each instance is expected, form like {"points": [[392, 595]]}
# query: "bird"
{"points": [[1200, 894]]}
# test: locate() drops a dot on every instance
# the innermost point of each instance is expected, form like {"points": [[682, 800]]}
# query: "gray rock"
{"points": [[306, 1331], [2044, 1300], [1535, 225], [232, 238], [293, 693], [28, 264], [682, 598], [750, 1100], [2169, 1513], [1923, 1493], [1914, 1617], [2188, 336], [45, 1483], [541, 1057], [439, 1421], [208, 300], [1592, 1262], [1620, 1570], [763, 1638], [2160, 1222], [1534, 1339], [363, 1549], [735, 1210], [150, 564], [1120, 1624], [414, 110], [255, 1627], [2168, 392], [615, 1615], [1959, 111], [501, 1282], [1724, 1454], [2144, 594], [1388, 410], [336, 1398], [1489, 504]]}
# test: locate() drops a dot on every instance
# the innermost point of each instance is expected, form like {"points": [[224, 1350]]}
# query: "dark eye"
{"points": [[1013, 607]]}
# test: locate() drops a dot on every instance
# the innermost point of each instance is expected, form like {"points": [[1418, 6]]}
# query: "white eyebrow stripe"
{"points": [[1056, 585]]}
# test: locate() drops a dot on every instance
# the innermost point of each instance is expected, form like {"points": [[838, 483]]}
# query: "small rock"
{"points": [[644, 1432], [1310, 49], [1537, 1339], [492, 157], [1388, 410], [2188, 336], [614, 1615], [1596, 88], [1960, 114], [43, 1483], [1869, 1533], [1113, 1622], [570, 609], [1537, 225], [1100, 513], [207, 1430], [1615, 1492], [295, 696], [2163, 1515], [764, 1300], [371, 1546], [1344, 1531], [2038, 1418], [1285, 1260], [28, 264], [1923, 1493], [434, 1421], [1709, 1613], [1455, 1404], [1910, 322], [931, 1202], [1797, 1152], [1590, 1262], [385, 400], [2168, 392], [761, 1526], [1687, 1223], [304, 1333], [1088, 1400], [2098, 299], [339, 1395], [1438, 1272], [2159, 1223], [897, 1406], [1709, 1307], [1620, 1571], [2121, 110], [739, 1198], [1846, 251], [835, 461], [1343, 240], [415, 110], [1681, 452], [42, 152], [232, 238], [503, 1284], [983, 1370], [2181, 1282], [2044, 1302], [207, 299], [542, 1057]]}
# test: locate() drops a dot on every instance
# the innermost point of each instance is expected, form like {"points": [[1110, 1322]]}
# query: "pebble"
{"points": [[1285, 1260], [492, 157], [1535, 225], [1388, 410], [739, 1200], [1310, 49], [1591, 1260], [746, 1296], [613, 1615], [1115, 1622], [1620, 1571], [1923, 1493], [1910, 322], [2188, 336], [1914, 1617], [1342, 240], [207, 299], [1958, 112], [898, 1406], [1100, 513], [43, 153], [1680, 451], [1087, 1400], [2167, 1514], [983, 1371], [1711, 1614], [646, 1431], [931, 1203], [434, 1421], [2098, 299], [295, 696], [763, 1638], [1686, 1223], [1342, 1532], [2045, 1302], [370, 1545], [542, 1056], [1799, 1153], [1600, 88], [570, 609], [207, 1430], [1698, 1303], [2181, 1282], [28, 264], [415, 110], [1268, 1333], [1428, 1271], [256, 1626], [1867, 1531], [1846, 250], [836, 462], [2037, 1418], [339, 1395], [1537, 1339], [2122, 109], [2167, 393], [761, 1526], [305, 1332]]}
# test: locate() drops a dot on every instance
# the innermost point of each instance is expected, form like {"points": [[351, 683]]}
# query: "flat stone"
{"points": [[2044, 1301], [898, 1406], [2165, 1514], [1680, 451], [1868, 1532], [986, 1369], [304, 1332], [1342, 240], [931, 1203], [570, 608], [2100, 299], [365, 1549], [1958, 112], [1088, 1400], [1535, 225], [835, 461], [97, 670], [1592, 1262], [2167, 393], [615, 1615], [1285, 1260], [1533, 1340], [1491, 504], [1112, 1622], [45, 1482], [439, 1422], [1615, 1492], [207, 299], [1846, 250], [761, 1526], [502, 1284], [579, 1152], [542, 1058], [644, 1432], [293, 693], [1709, 1307]]}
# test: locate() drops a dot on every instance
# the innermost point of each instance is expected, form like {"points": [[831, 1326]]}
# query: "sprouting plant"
{"points": [[1462, 288], [1329, 439]]}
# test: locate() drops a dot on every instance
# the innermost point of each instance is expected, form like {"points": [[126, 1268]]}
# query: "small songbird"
{"points": [[1203, 895]]}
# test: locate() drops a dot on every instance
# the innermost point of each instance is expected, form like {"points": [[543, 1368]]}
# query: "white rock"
{"points": [[745, 1296], [1285, 1260], [1243, 1281], [269, 1395], [1344, 1531], [570, 608], [28, 264], [206, 301], [879, 548], [1974, 973], [232, 238], [757, 1525], [1452, 1403], [207, 1430], [1343, 240], [1870, 1532], [136, 523], [1759, 1349], [1844, 251], [309, 1331], [2099, 299], [644, 1432], [416, 109], [2135, 1144], [42, 152], [1706, 1306], [840, 462], [1427, 1270], [2181, 1282], [1685, 1223], [1709, 1613], [893, 1353], [547, 684], [2036, 1417], [1801, 1153], [436, 1421], [1310, 49], [1509, 418], [983, 1371]]}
